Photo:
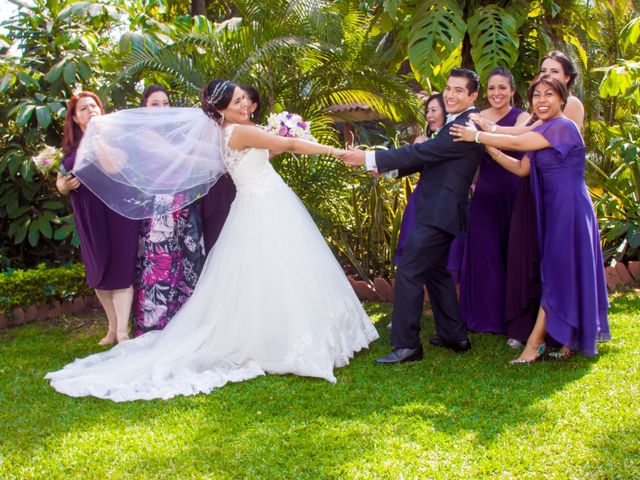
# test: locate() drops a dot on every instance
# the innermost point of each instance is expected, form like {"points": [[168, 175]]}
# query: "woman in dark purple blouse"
{"points": [[108, 241]]}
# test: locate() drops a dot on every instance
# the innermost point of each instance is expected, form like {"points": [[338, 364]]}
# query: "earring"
{"points": [[221, 121]]}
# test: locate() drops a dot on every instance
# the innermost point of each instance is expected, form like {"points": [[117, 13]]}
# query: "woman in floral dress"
{"points": [[170, 254]]}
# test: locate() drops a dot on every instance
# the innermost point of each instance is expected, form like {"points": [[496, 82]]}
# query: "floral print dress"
{"points": [[170, 258]]}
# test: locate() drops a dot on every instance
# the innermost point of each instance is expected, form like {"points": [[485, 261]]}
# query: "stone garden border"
{"points": [[617, 276]]}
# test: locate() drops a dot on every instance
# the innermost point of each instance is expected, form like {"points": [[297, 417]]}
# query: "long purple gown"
{"points": [[574, 292], [522, 296], [214, 207], [108, 241], [484, 260]]}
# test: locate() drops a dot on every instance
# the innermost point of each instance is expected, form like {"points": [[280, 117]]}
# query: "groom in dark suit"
{"points": [[448, 168]]}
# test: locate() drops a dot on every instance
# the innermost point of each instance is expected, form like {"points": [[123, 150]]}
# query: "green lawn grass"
{"points": [[450, 416]]}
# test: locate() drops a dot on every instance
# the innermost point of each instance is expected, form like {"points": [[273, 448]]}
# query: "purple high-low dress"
{"points": [[574, 292], [484, 260], [214, 207], [108, 241]]}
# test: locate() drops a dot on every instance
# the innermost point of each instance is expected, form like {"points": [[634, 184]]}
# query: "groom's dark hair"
{"points": [[473, 80]]}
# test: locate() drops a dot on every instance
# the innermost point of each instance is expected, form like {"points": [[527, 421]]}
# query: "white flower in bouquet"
{"points": [[47, 159], [287, 124]]}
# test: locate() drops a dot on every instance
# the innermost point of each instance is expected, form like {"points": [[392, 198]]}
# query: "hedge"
{"points": [[41, 286]]}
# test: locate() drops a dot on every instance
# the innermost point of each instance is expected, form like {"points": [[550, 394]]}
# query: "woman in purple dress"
{"points": [[170, 254], [573, 304], [484, 261], [435, 114], [107, 239], [523, 290]]}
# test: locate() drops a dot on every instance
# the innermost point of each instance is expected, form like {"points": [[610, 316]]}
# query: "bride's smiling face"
{"points": [[238, 110]]}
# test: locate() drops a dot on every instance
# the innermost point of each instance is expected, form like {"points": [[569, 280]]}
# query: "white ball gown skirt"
{"points": [[271, 299]]}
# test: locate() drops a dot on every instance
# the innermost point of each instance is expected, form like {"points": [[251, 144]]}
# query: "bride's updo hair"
{"points": [[216, 96]]}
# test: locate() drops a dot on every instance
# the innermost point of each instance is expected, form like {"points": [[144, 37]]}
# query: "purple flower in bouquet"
{"points": [[47, 159], [285, 124]]}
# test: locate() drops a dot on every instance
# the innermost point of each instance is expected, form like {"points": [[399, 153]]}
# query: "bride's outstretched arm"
{"points": [[245, 136]]}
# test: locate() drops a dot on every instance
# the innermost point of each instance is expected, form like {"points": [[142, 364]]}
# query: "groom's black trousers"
{"points": [[424, 262]]}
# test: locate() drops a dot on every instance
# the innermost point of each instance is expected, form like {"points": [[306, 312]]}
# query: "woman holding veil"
{"points": [[108, 241], [271, 297]]}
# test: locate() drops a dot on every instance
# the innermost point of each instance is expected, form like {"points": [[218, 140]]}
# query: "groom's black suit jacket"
{"points": [[447, 170], [447, 167]]}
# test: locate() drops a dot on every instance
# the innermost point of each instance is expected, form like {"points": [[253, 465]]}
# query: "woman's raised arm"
{"points": [[246, 136]]}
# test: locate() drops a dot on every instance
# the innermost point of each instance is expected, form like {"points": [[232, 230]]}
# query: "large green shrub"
{"points": [[41, 286]]}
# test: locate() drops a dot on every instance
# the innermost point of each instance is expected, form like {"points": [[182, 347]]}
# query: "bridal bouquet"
{"points": [[287, 124], [47, 159]]}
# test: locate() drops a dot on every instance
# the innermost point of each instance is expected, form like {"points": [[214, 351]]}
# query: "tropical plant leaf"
{"points": [[43, 115], [630, 34], [494, 39], [437, 30]]}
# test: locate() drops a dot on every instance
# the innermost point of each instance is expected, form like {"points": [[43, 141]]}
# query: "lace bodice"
{"points": [[250, 168]]}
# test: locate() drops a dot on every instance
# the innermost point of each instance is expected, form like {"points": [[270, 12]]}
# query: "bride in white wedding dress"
{"points": [[271, 298]]}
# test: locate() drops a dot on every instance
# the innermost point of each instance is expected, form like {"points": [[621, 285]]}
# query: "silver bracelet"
{"points": [[477, 137]]}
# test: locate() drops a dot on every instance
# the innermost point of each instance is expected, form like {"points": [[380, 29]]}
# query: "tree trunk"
{"points": [[198, 7]]}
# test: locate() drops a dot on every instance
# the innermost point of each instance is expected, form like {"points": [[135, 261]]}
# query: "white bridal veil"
{"points": [[150, 161]]}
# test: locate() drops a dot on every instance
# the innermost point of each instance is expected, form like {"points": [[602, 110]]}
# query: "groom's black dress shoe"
{"points": [[400, 355], [461, 346]]}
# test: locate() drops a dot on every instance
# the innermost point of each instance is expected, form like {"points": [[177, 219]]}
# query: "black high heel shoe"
{"points": [[522, 361]]}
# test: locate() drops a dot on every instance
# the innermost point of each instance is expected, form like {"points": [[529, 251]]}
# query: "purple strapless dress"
{"points": [[574, 291], [108, 241], [484, 259]]}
